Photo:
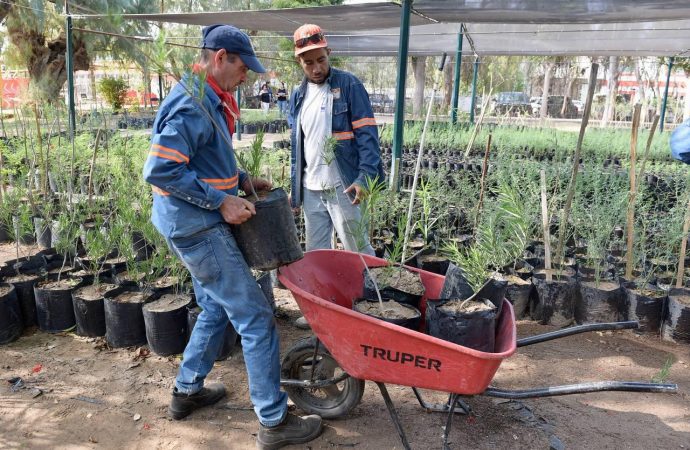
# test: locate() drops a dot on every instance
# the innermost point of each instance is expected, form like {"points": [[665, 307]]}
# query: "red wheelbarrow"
{"points": [[325, 375]]}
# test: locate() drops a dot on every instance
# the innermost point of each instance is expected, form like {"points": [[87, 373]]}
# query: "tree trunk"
{"points": [[548, 72], [419, 69], [641, 94], [610, 108], [46, 61], [448, 72]]}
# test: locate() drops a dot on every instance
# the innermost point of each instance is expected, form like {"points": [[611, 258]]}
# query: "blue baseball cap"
{"points": [[233, 40]]}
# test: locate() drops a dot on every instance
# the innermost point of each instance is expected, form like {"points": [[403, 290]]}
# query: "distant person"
{"points": [[282, 100], [331, 103], [680, 142], [265, 97], [195, 182]]}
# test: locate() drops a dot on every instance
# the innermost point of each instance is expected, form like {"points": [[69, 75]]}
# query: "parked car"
{"points": [[381, 103], [511, 103]]}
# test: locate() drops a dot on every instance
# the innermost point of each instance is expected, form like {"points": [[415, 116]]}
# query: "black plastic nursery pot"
{"points": [[230, 338], [54, 307], [89, 310], [676, 327], [24, 286], [11, 325], [644, 304], [166, 323], [124, 318], [408, 293], [518, 294], [554, 303], [455, 285], [42, 230], [433, 263], [451, 321], [599, 302], [269, 239], [372, 309]]}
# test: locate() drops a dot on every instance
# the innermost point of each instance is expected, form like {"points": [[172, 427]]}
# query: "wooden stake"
{"points": [[576, 162], [482, 183], [630, 224], [683, 248], [545, 227], [652, 130]]}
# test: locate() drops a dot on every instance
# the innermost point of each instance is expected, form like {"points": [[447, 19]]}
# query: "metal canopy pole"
{"points": [[70, 73], [473, 103], [456, 80], [399, 117], [663, 103]]}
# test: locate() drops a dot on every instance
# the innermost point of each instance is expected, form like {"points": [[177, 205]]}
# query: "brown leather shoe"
{"points": [[292, 430]]}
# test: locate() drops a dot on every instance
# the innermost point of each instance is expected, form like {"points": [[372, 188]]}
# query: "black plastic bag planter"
{"points": [[124, 318], [89, 310], [166, 323], [676, 327], [24, 287], [645, 305], [599, 302], [518, 293], [230, 338], [470, 323], [455, 284], [11, 325], [371, 308], [394, 283], [554, 303], [269, 239], [54, 307], [42, 230]]}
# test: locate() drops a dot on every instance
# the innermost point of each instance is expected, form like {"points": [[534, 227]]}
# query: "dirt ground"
{"points": [[79, 394]]}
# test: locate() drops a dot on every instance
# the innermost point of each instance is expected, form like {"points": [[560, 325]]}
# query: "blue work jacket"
{"points": [[190, 165], [357, 154]]}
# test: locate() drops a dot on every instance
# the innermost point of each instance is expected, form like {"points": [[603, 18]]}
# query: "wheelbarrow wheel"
{"points": [[330, 402]]}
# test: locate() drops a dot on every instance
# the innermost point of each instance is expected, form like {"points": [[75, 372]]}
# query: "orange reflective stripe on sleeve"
{"points": [[344, 135], [159, 191], [222, 183], [166, 156], [367, 121], [171, 152]]}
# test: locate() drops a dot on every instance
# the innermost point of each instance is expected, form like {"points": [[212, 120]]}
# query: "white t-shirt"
{"points": [[318, 175]]}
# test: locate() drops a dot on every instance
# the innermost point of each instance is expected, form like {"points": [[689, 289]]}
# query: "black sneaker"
{"points": [[292, 430], [182, 405]]}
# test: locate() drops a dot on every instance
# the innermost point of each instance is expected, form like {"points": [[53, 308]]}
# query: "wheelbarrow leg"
{"points": [[394, 415], [436, 407], [453, 400]]}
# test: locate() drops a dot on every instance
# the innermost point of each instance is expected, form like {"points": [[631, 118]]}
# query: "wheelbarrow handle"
{"points": [[581, 388], [631, 324]]}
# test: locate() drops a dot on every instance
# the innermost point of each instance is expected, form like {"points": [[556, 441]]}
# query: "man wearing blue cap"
{"points": [[195, 181]]}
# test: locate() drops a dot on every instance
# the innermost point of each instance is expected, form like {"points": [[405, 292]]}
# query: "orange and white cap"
{"points": [[308, 37]]}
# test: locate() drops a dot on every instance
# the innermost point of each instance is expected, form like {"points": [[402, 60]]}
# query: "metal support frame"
{"points": [[629, 325], [581, 388], [473, 103], [394, 415], [399, 117], [663, 103], [456, 79], [449, 420], [445, 407], [70, 73]]}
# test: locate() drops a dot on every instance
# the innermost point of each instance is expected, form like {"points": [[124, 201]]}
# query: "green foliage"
{"points": [[114, 90], [252, 160], [500, 238]]}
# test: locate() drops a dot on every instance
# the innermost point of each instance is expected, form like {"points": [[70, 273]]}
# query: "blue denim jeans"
{"points": [[226, 290], [324, 210], [282, 107]]}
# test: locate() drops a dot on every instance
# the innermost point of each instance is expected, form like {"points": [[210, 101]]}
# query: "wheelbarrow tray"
{"points": [[325, 283]]}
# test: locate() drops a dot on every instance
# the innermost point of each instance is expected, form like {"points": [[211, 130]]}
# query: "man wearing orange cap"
{"points": [[329, 181]]}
